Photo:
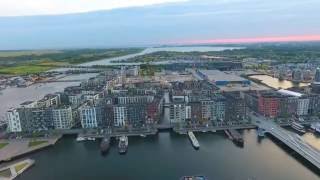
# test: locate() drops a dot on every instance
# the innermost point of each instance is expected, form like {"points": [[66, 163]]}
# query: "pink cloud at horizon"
{"points": [[300, 38]]}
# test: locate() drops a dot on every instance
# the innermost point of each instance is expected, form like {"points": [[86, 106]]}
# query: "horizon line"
{"points": [[266, 39]]}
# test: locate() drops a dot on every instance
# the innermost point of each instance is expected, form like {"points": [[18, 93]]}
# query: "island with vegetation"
{"points": [[29, 62], [282, 53]]}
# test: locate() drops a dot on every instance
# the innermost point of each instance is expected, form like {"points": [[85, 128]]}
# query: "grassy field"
{"points": [[20, 166], [5, 173], [30, 62], [27, 53], [2, 145], [36, 143]]}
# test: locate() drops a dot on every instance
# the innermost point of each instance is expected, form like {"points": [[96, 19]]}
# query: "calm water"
{"points": [[276, 83], [170, 156], [151, 50]]}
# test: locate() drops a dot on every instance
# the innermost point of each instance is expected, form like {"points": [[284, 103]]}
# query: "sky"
{"points": [[51, 24]]}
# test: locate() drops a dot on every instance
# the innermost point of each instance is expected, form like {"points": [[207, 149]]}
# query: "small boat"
{"points": [[143, 135], [315, 127], [104, 145], [91, 139], [123, 144], [261, 132], [298, 127], [79, 139], [193, 178]]}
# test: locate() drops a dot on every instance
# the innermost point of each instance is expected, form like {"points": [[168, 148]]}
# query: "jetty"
{"points": [[193, 140], [12, 171]]}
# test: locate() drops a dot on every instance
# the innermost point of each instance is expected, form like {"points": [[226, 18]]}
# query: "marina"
{"points": [[254, 160]]}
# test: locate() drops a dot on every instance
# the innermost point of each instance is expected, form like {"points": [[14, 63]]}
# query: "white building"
{"points": [[178, 113], [188, 112], [119, 115], [303, 106], [135, 99], [62, 118], [88, 117], [14, 123]]}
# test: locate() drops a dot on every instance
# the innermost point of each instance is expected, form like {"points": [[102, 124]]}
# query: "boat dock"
{"points": [[193, 140]]}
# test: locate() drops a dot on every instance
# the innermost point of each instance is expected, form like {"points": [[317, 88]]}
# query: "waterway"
{"points": [[276, 83], [169, 156], [108, 61]]}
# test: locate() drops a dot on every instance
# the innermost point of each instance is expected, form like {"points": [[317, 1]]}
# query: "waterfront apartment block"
{"points": [[13, 118], [282, 103], [92, 115], [62, 118]]}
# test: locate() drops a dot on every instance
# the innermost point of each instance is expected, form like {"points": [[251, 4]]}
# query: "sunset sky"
{"points": [[32, 24]]}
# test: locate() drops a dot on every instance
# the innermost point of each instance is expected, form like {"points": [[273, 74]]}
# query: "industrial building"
{"points": [[220, 78]]}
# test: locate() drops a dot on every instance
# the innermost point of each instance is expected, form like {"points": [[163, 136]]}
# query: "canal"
{"points": [[170, 156]]}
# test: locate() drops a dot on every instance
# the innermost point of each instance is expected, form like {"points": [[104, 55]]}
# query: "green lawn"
{"points": [[20, 166], [5, 173], [2, 145], [27, 53], [24, 69], [36, 143]]}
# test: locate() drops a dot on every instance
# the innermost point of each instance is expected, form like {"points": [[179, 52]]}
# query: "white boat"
{"points": [[193, 140], [123, 144], [315, 127], [79, 138], [298, 127], [91, 139]]}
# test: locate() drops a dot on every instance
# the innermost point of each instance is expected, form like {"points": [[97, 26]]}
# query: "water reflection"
{"points": [[276, 83]]}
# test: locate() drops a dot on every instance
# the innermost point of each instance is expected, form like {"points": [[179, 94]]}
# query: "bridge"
{"points": [[57, 80], [292, 140]]}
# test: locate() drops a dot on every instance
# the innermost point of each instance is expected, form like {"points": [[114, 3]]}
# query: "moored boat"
{"points": [[105, 145], [315, 127], [193, 178], [79, 139], [123, 144], [298, 127]]}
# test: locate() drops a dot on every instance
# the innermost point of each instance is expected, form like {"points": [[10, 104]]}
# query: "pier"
{"points": [[14, 170], [193, 140], [292, 140]]}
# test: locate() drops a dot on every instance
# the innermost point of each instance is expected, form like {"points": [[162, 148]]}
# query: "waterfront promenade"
{"points": [[292, 140], [18, 147]]}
